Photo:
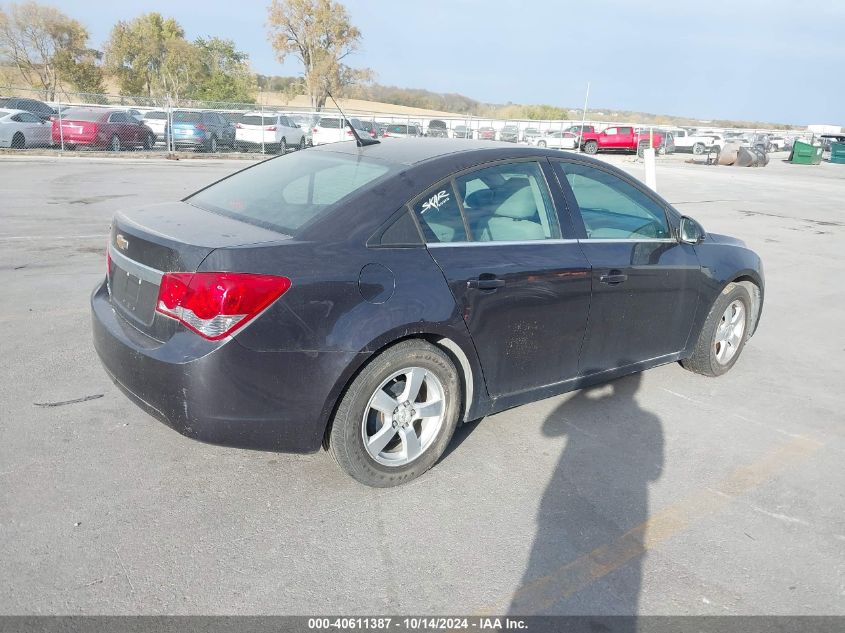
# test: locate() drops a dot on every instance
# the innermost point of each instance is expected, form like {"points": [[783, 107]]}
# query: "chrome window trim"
{"points": [[141, 271], [610, 240], [502, 243]]}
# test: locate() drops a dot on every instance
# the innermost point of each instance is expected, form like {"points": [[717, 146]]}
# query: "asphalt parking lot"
{"points": [[662, 493]]}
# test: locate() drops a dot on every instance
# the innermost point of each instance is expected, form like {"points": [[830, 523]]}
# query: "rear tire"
{"points": [[149, 141], [114, 143], [380, 408], [724, 334], [541, 143], [212, 145], [698, 149], [301, 143], [18, 141], [591, 147]]}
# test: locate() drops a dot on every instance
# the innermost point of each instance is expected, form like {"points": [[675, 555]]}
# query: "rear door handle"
{"points": [[485, 283], [613, 278]]}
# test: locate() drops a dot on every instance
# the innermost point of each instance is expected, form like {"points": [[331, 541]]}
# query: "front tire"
{"points": [[282, 149], [397, 416], [18, 141], [212, 145], [724, 334], [301, 145]]}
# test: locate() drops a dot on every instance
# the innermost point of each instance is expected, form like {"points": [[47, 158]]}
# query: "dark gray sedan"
{"points": [[370, 299]]}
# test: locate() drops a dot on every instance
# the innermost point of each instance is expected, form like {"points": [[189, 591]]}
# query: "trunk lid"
{"points": [[173, 237]]}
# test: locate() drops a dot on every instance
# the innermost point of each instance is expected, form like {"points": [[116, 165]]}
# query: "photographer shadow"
{"points": [[588, 549]]}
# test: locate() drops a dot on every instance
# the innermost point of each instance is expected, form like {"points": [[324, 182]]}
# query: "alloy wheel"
{"points": [[729, 332], [403, 417]]}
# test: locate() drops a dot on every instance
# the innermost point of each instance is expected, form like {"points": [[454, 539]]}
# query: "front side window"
{"points": [[509, 202], [440, 215], [611, 208]]}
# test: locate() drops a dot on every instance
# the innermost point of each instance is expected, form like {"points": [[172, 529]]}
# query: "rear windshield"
{"points": [[284, 193], [155, 115], [255, 119], [187, 117], [83, 115]]}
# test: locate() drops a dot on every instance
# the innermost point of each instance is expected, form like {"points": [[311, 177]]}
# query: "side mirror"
{"points": [[691, 231]]}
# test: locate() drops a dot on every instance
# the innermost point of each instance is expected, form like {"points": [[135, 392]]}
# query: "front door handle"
{"points": [[613, 278], [485, 283]]}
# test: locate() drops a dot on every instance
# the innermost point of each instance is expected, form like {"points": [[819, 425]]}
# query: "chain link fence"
{"points": [[76, 122]]}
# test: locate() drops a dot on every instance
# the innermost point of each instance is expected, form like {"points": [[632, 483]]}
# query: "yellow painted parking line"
{"points": [[541, 593]]}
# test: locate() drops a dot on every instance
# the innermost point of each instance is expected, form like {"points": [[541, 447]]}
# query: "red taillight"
{"points": [[108, 262], [216, 304], [201, 126], [271, 128], [239, 126], [314, 131], [348, 132]]}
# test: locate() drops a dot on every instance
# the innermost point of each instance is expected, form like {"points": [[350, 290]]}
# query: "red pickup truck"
{"points": [[619, 138]]}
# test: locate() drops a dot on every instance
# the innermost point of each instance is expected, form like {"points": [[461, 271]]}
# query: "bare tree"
{"points": [[39, 41], [319, 34]]}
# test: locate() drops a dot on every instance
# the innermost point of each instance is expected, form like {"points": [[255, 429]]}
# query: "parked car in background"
{"points": [[135, 114], [531, 134], [367, 127], [101, 128], [306, 122], [509, 134], [36, 107], [486, 133], [20, 129], [371, 299], [402, 130], [272, 131], [203, 130], [156, 120], [778, 143], [760, 141], [686, 141], [461, 131], [558, 140], [331, 129], [620, 138], [437, 129]]}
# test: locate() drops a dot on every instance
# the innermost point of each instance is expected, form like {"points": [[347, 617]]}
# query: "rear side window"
{"points": [[612, 208], [331, 123], [509, 202], [155, 115], [283, 194], [440, 215]]}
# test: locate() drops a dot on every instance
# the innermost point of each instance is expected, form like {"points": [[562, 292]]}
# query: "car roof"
{"points": [[411, 151]]}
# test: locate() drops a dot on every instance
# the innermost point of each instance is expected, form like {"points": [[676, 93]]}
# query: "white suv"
{"points": [[331, 129], [276, 131]]}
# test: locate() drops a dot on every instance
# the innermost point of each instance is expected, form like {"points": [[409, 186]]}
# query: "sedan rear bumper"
{"points": [[220, 392]]}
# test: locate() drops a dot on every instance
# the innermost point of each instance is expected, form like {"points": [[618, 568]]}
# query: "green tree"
{"points": [[225, 72], [138, 50], [47, 47], [319, 34]]}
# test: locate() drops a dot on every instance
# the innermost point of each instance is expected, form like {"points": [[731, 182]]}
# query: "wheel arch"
{"points": [[465, 360], [754, 286]]}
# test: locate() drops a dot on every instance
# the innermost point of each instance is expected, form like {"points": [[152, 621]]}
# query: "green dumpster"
{"points": [[805, 154], [837, 153]]}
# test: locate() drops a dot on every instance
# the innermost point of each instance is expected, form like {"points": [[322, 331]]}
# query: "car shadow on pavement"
{"points": [[588, 549]]}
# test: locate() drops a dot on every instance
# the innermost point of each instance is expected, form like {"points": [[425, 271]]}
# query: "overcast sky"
{"points": [[772, 60]]}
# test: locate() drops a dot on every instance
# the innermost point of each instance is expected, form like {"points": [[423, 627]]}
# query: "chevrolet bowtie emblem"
{"points": [[122, 242]]}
